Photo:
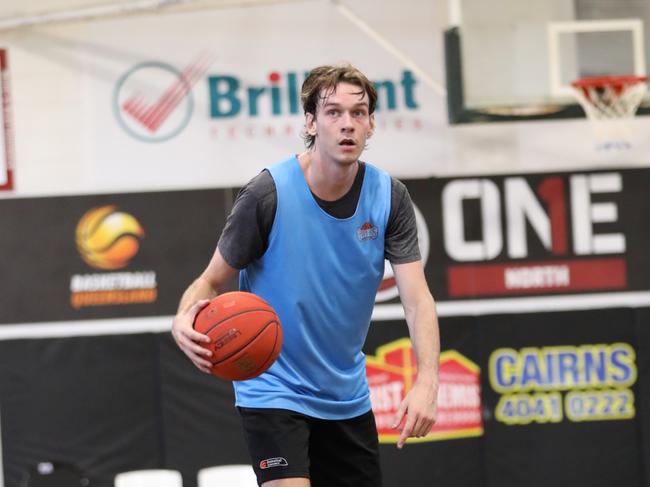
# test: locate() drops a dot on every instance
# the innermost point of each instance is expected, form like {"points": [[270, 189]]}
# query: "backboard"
{"points": [[512, 60]]}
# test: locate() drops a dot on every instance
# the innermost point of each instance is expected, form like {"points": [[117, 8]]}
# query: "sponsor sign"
{"points": [[197, 106], [537, 234], [104, 256], [564, 383], [391, 374], [153, 94], [153, 100], [107, 239], [569, 388]]}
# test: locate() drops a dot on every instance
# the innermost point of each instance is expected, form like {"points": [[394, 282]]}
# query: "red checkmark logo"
{"points": [[152, 115]]}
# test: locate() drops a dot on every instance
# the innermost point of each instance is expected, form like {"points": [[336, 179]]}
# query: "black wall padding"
{"points": [[452, 462], [594, 453], [642, 331], [88, 401], [110, 404], [200, 424]]}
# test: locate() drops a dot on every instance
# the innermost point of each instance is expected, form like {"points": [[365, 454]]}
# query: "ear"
{"points": [[310, 124], [371, 130]]}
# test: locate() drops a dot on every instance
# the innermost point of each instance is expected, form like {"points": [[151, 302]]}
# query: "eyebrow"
{"points": [[359, 104]]}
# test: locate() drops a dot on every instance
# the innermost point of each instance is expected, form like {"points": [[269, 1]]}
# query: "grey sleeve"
{"points": [[245, 236], [401, 246]]}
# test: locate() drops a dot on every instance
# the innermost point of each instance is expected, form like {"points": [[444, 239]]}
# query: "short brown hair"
{"points": [[327, 78]]}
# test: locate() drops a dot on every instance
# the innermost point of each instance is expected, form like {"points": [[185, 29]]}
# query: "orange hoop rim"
{"points": [[616, 81]]}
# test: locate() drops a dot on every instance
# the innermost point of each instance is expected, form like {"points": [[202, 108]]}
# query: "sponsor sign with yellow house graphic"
{"points": [[391, 374]]}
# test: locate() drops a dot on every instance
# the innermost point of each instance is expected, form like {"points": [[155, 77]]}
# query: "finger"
{"points": [[198, 349], [199, 361], [187, 343], [203, 368], [406, 432], [422, 428], [417, 427], [195, 336], [399, 415], [199, 305], [193, 350], [203, 365]]}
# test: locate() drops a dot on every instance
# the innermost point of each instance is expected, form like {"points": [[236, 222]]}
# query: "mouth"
{"points": [[347, 143]]}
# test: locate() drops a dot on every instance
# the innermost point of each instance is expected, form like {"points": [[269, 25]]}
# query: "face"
{"points": [[342, 123]]}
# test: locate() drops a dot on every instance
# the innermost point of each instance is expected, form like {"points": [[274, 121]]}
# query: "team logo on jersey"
{"points": [[367, 232], [274, 462]]}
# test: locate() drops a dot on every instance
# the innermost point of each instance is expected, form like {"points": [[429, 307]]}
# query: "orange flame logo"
{"points": [[108, 239]]}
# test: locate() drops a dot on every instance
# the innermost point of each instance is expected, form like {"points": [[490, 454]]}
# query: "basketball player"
{"points": [[310, 235]]}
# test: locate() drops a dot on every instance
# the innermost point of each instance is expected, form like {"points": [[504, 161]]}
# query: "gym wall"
{"points": [[535, 248]]}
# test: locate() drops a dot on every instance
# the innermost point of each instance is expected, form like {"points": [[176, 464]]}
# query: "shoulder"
{"points": [[260, 187], [398, 188], [400, 199]]}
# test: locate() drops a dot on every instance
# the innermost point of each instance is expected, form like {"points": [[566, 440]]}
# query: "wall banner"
{"points": [[214, 108], [536, 234], [104, 256]]}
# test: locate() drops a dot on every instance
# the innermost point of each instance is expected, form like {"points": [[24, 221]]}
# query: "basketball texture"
{"points": [[245, 335]]}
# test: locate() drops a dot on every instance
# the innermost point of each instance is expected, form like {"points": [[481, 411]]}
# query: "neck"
{"points": [[329, 180]]}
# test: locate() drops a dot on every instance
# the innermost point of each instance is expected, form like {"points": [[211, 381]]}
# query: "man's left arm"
{"points": [[420, 404]]}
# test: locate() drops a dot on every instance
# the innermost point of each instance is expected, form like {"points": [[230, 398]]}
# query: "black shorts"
{"points": [[332, 453]]}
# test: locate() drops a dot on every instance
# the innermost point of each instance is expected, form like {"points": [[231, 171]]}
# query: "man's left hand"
{"points": [[420, 408]]}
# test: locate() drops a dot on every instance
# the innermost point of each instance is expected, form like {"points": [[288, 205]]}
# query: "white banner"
{"points": [[194, 100]]}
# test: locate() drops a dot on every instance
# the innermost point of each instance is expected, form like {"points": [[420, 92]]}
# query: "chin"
{"points": [[350, 157]]}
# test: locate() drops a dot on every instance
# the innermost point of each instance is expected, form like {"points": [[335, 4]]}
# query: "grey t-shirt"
{"points": [[246, 234]]}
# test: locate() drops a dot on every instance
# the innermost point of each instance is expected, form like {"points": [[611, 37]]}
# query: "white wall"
{"points": [[67, 139]]}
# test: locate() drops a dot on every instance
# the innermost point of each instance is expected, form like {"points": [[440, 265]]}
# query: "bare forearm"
{"points": [[199, 289], [423, 328]]}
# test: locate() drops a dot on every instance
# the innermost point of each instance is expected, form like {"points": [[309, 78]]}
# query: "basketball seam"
{"points": [[247, 343], [233, 316], [262, 367]]}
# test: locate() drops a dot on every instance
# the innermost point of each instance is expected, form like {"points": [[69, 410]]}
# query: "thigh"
{"points": [[345, 453], [278, 442]]}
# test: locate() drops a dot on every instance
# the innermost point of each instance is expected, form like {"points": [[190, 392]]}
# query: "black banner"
{"points": [[104, 256], [536, 234]]}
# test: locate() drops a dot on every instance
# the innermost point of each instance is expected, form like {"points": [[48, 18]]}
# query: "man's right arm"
{"points": [[208, 285], [244, 239]]}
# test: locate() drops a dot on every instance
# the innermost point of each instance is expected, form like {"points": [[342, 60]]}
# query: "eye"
{"points": [[332, 112]]}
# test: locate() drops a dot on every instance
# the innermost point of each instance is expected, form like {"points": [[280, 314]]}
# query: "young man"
{"points": [[310, 236]]}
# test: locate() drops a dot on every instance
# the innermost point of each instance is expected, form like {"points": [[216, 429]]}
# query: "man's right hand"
{"points": [[188, 339]]}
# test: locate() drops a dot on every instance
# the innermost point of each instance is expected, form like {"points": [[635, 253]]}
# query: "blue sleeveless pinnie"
{"points": [[321, 275]]}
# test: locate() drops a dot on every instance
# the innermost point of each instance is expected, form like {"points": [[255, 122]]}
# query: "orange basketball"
{"points": [[245, 335]]}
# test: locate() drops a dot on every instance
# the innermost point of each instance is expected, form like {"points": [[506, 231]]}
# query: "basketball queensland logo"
{"points": [[391, 374], [153, 100], [108, 240]]}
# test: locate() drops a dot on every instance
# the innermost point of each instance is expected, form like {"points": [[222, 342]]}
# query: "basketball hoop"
{"points": [[610, 102]]}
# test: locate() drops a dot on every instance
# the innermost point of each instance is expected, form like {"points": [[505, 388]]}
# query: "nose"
{"points": [[346, 122]]}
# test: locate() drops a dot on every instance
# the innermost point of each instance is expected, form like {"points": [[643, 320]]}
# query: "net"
{"points": [[610, 102]]}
